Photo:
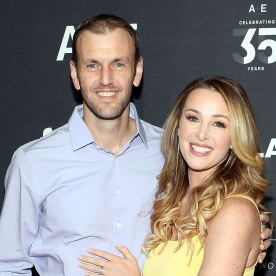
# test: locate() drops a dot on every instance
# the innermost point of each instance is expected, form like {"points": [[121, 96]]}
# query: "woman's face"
{"points": [[204, 130]]}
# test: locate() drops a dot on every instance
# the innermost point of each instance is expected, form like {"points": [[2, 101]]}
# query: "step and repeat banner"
{"points": [[180, 41]]}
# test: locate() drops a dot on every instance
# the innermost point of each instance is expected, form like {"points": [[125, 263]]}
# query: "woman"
{"points": [[206, 214], [210, 184]]}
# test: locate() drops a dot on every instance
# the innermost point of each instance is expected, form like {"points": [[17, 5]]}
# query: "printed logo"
{"points": [[271, 149], [65, 47], [257, 39]]}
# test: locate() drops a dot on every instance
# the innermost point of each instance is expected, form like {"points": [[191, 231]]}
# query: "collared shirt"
{"points": [[65, 194]]}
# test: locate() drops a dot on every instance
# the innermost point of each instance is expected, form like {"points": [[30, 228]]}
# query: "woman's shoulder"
{"points": [[244, 200], [235, 228], [241, 209], [241, 205], [238, 220]]}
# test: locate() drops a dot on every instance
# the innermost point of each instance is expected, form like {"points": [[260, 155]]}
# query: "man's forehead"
{"points": [[118, 39], [107, 33]]}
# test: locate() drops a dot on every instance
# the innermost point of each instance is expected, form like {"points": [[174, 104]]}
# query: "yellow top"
{"points": [[175, 263]]}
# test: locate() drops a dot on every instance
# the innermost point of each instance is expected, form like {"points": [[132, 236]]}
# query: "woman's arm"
{"points": [[232, 243], [109, 264]]}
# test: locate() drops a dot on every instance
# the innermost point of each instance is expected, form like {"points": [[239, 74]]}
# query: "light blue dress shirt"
{"points": [[65, 194]]}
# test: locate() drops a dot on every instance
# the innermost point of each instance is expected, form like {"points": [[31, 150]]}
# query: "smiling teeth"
{"points": [[200, 149], [106, 94]]}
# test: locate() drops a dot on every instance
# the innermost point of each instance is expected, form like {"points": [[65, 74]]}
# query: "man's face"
{"points": [[105, 72]]}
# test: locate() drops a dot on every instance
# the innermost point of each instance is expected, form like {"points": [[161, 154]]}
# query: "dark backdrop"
{"points": [[180, 41]]}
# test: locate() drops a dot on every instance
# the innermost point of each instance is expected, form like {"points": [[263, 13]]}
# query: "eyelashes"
{"points": [[193, 118], [220, 124]]}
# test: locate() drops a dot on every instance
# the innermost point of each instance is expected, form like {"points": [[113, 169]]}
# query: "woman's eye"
{"points": [[192, 118], [220, 124]]}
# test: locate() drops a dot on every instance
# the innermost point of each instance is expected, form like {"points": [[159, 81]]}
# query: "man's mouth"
{"points": [[106, 93]]}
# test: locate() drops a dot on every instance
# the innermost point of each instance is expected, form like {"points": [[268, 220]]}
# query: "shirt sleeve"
{"points": [[19, 217]]}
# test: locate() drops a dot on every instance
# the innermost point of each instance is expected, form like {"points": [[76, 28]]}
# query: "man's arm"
{"points": [[265, 236], [109, 264], [19, 218]]}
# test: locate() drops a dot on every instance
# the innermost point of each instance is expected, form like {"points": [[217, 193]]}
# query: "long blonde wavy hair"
{"points": [[240, 173]]}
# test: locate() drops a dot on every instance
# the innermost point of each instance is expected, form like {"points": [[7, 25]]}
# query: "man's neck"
{"points": [[111, 134]]}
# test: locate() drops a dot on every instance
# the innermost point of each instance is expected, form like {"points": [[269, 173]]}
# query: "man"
{"points": [[90, 183]]}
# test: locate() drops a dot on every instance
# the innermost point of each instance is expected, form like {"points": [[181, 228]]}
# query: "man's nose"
{"points": [[106, 77]]}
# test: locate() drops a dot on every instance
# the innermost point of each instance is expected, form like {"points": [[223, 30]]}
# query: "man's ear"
{"points": [[139, 72], [74, 75]]}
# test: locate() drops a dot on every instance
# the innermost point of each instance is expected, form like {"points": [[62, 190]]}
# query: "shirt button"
{"points": [[119, 224], [118, 191]]}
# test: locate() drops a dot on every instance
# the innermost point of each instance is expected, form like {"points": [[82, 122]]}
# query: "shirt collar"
{"points": [[81, 136]]}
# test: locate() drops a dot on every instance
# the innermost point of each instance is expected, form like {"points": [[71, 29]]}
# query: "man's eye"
{"points": [[118, 65], [93, 65]]}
